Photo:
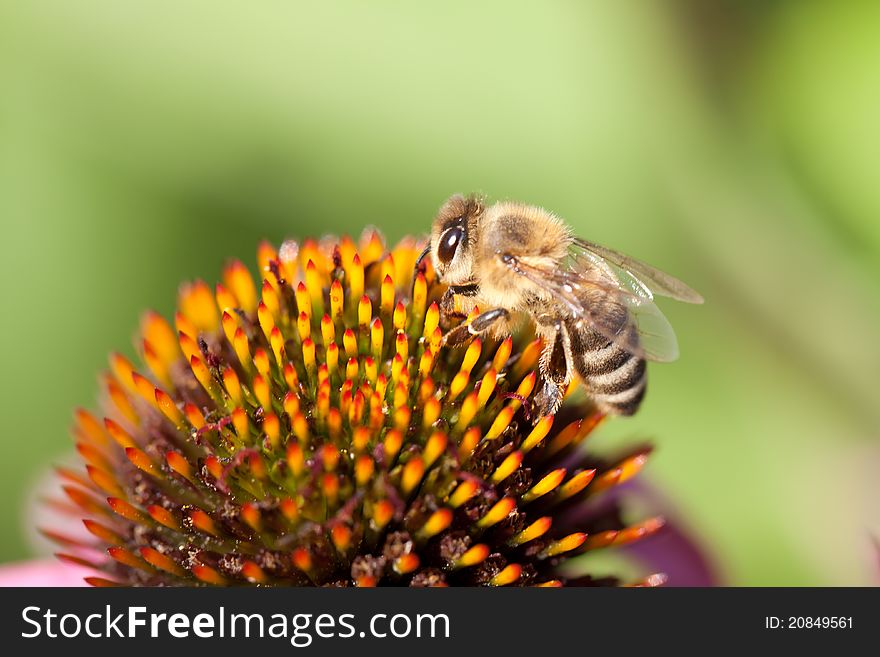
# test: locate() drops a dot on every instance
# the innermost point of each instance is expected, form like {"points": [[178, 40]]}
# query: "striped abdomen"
{"points": [[615, 379]]}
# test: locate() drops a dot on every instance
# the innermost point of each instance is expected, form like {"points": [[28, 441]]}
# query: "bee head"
{"points": [[452, 236]]}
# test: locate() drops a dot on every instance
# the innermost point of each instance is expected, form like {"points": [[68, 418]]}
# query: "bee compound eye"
{"points": [[448, 245]]}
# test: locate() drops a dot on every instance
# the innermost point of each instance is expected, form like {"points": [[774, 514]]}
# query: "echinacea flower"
{"points": [[313, 430]]}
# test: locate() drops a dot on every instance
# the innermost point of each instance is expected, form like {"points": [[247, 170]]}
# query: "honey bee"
{"points": [[592, 307]]}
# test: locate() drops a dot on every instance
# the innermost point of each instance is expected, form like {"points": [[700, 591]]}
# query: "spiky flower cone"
{"points": [[315, 432]]}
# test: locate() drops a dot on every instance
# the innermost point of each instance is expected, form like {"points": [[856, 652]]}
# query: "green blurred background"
{"points": [[733, 143]]}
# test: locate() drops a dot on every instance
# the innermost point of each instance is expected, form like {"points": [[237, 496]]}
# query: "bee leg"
{"points": [[555, 372], [447, 309], [482, 322]]}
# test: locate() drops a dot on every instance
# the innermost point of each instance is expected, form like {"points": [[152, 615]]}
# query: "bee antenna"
{"points": [[419, 267]]}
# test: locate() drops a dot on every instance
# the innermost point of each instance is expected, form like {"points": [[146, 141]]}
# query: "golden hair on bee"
{"points": [[592, 306]]}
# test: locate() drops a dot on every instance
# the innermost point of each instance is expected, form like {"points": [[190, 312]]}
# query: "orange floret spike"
{"points": [[238, 279], [575, 485], [507, 467], [127, 511], [537, 529], [164, 517], [472, 355], [120, 435], [459, 383], [336, 300], [377, 338], [196, 302], [143, 462], [392, 444], [276, 341], [300, 428], [203, 522], [308, 353], [349, 342], [399, 317], [193, 415], [413, 472], [328, 331], [250, 514], [121, 401], [168, 407], [468, 444], [502, 354], [104, 480], [203, 375], [435, 447], [241, 423], [304, 326], [341, 537], [266, 254], [538, 433], [387, 295], [487, 387], [371, 246], [473, 556], [371, 369], [510, 574], [431, 412], [295, 459], [123, 370], [432, 320], [159, 333], [624, 471], [184, 325], [420, 297], [365, 312], [88, 428], [502, 421], [303, 301], [547, 483], [208, 575], [356, 279], [406, 563], [528, 359], [267, 323], [497, 513], [180, 465], [463, 492], [314, 286], [401, 343], [331, 355], [383, 511], [364, 468], [226, 301], [161, 561], [351, 369], [272, 429], [563, 545], [291, 378], [233, 386], [145, 389], [188, 346], [436, 523]]}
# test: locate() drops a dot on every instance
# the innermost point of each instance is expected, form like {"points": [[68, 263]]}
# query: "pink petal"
{"points": [[43, 572]]}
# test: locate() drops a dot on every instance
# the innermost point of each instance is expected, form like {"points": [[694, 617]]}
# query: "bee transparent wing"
{"points": [[659, 282], [656, 337], [611, 301]]}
